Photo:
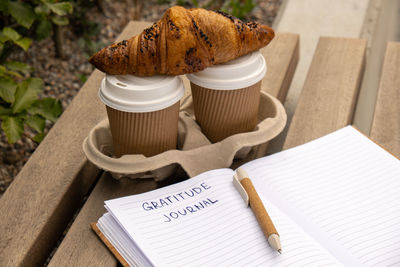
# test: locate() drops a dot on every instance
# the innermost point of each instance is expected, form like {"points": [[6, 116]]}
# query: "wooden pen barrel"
{"points": [[258, 208]]}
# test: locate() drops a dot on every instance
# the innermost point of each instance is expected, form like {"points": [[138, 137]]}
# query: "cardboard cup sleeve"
{"points": [[147, 133], [222, 113]]}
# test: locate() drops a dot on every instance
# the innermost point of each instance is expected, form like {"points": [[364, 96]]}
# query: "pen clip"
{"points": [[239, 187]]}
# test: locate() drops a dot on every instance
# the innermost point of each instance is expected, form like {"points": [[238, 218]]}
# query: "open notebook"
{"points": [[334, 201]]}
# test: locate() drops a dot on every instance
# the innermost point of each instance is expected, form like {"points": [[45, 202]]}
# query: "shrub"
{"points": [[20, 105], [239, 8]]}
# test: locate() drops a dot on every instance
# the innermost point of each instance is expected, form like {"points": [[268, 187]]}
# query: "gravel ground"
{"points": [[63, 78]]}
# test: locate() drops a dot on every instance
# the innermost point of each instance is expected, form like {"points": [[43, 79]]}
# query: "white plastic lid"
{"points": [[235, 74], [140, 94]]}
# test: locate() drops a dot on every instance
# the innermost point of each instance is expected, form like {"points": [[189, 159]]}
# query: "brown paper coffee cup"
{"points": [[222, 113], [143, 112], [147, 133], [226, 97]]}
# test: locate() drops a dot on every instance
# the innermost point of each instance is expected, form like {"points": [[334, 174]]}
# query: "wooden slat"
{"points": [[81, 246], [282, 56], [43, 197], [328, 98], [385, 129]]}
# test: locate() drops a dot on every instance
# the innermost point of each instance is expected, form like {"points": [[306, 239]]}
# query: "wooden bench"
{"points": [[45, 214]]}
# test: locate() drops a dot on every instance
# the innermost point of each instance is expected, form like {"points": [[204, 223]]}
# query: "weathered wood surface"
{"points": [[282, 56], [81, 245], [330, 91], [43, 197], [385, 129]]}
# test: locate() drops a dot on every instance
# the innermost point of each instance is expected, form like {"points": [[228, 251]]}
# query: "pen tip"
{"points": [[280, 251]]}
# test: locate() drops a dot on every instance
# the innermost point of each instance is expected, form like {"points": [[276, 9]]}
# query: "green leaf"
{"points": [[26, 95], [3, 70], [13, 127], [18, 66], [3, 38], [1, 48], [12, 73], [60, 9], [61, 21], [35, 84], [43, 29], [4, 6], [42, 10], [82, 77], [24, 43], [22, 13], [11, 34], [39, 137], [7, 89], [5, 111], [48, 108], [36, 122]]}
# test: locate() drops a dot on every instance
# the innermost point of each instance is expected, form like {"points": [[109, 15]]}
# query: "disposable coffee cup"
{"points": [[226, 97], [143, 112]]}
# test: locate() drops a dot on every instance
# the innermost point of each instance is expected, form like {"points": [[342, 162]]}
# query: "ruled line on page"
{"points": [[387, 257], [366, 250]]}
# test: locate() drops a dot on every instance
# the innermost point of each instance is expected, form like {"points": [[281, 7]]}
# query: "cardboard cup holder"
{"points": [[195, 153]]}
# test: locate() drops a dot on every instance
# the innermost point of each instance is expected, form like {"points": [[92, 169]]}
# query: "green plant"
{"points": [[88, 31], [163, 2], [51, 15], [239, 8], [38, 18], [82, 77], [183, 3], [51, 10], [87, 41], [20, 105]]}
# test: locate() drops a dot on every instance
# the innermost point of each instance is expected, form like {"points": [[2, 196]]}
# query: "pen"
{"points": [[249, 193]]}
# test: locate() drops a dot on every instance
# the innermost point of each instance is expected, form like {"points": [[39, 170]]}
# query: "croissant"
{"points": [[183, 41]]}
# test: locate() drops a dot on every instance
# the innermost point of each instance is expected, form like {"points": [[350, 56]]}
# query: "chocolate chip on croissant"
{"points": [[183, 41]]}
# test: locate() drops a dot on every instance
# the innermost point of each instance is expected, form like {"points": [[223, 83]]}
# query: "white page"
{"points": [[224, 233], [120, 241], [342, 189]]}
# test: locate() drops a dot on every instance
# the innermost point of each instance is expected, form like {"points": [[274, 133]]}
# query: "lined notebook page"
{"points": [[344, 190], [222, 233]]}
